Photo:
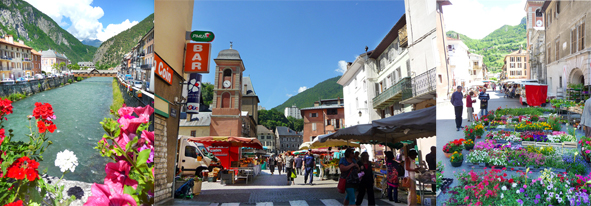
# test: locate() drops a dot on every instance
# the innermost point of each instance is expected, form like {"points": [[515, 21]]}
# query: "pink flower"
{"points": [[466, 198], [588, 151], [125, 111], [118, 176], [101, 195], [147, 110]]}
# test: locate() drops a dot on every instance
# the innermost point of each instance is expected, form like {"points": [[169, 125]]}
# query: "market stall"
{"points": [[229, 151]]}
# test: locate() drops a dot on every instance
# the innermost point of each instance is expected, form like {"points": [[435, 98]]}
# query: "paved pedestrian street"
{"points": [[270, 190]]}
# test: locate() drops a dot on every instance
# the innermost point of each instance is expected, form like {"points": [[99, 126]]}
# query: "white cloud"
{"points": [[473, 19], [114, 29], [289, 95], [84, 17], [342, 67], [304, 88]]}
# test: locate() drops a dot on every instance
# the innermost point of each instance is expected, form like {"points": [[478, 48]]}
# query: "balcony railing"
{"points": [[424, 83], [27, 59], [401, 90], [402, 35], [5, 58], [5, 68]]}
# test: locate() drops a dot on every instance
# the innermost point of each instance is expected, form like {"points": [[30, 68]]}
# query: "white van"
{"points": [[192, 157]]}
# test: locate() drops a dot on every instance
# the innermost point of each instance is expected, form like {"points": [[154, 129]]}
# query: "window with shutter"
{"points": [[408, 68], [582, 36], [573, 41], [377, 87], [557, 49]]}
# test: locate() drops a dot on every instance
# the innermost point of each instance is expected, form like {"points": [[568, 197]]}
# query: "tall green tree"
{"points": [[207, 93]]}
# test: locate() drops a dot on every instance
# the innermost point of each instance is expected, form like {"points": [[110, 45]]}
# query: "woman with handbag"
{"points": [[289, 165], [366, 182], [392, 177], [349, 178], [409, 179]]}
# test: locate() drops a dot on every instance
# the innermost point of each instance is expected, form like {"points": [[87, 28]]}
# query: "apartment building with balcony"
{"points": [[568, 51], [15, 58], [476, 67], [325, 117], [536, 40], [460, 63], [147, 58]]}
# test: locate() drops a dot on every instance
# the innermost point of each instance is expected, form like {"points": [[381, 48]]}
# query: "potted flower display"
{"points": [[453, 146], [469, 133], [139, 93], [456, 159], [468, 144], [585, 143]]}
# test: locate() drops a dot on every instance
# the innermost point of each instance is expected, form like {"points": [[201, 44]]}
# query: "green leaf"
{"points": [[142, 158], [128, 190], [119, 151]]}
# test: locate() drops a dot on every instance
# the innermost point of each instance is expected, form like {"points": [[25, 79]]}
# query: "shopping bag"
{"points": [[341, 185], [293, 175], [406, 182]]}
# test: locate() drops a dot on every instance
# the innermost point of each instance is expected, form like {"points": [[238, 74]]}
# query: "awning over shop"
{"points": [[234, 141], [328, 143]]}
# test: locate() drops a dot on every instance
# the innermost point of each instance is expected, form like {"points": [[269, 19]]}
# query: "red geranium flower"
{"points": [[5, 107], [16, 203], [23, 167]]}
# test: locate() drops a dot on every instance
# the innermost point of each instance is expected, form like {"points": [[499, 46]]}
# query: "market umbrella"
{"points": [[234, 141], [327, 143]]}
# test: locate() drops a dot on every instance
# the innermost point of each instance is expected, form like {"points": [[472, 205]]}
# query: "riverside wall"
{"points": [[33, 86]]}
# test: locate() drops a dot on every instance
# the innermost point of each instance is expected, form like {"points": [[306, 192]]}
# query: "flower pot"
{"points": [[139, 95], [541, 144], [478, 137], [456, 164], [585, 156], [469, 147], [448, 155], [527, 143]]}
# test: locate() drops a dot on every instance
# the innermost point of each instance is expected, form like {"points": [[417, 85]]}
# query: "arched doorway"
{"points": [[576, 77]]}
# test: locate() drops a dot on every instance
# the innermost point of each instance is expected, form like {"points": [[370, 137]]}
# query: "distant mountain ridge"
{"points": [[95, 43], [111, 52], [327, 89], [39, 31], [497, 44]]}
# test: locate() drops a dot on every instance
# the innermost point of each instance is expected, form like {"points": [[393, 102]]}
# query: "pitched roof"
{"points": [[15, 43], [286, 131], [204, 119], [52, 54], [248, 87], [262, 129], [389, 38]]}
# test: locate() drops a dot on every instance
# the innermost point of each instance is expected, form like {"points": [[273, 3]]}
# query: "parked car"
{"points": [[137, 83], [39, 76]]}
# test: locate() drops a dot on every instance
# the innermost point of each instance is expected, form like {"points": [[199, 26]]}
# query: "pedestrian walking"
{"points": [[484, 97], [366, 182], [289, 165], [411, 169], [392, 177], [469, 108], [309, 164], [298, 165], [456, 100], [349, 170], [271, 162], [494, 87], [279, 161], [586, 118]]}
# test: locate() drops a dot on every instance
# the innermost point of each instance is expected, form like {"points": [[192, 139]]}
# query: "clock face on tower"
{"points": [[227, 84], [539, 23]]}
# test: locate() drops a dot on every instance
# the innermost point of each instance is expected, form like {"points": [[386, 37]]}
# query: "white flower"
{"points": [[66, 160], [517, 191], [502, 195], [504, 188], [514, 185]]}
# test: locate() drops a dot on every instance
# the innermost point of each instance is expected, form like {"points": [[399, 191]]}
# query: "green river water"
{"points": [[79, 108]]}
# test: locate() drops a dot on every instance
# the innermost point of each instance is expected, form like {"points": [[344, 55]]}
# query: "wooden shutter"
{"points": [[557, 49], [582, 36], [573, 39]]}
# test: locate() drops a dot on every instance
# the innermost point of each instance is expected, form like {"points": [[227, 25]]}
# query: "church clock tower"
{"points": [[227, 94]]}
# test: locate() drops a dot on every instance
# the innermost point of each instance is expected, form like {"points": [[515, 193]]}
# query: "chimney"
{"points": [[458, 35], [316, 103], [21, 41], [10, 39]]}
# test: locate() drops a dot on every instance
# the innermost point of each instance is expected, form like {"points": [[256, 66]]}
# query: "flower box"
{"points": [[542, 144], [569, 145], [501, 141], [527, 143]]}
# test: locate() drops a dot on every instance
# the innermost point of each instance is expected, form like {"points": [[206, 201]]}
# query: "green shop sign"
{"points": [[202, 36]]}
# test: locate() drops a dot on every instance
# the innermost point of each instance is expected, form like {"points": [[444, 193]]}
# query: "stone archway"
{"points": [[576, 77]]}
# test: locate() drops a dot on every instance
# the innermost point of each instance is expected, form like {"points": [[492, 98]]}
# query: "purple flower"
{"points": [[520, 201], [536, 201], [538, 197], [521, 190]]}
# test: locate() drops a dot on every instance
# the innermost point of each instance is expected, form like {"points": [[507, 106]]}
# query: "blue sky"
{"points": [[288, 46], [101, 19]]}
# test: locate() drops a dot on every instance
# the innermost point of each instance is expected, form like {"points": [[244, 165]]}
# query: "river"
{"points": [[79, 108]]}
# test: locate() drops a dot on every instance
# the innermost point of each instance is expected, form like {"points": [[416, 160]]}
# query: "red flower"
{"points": [[504, 174], [5, 107], [41, 126], [579, 181], [23, 167], [16, 203], [511, 180]]}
